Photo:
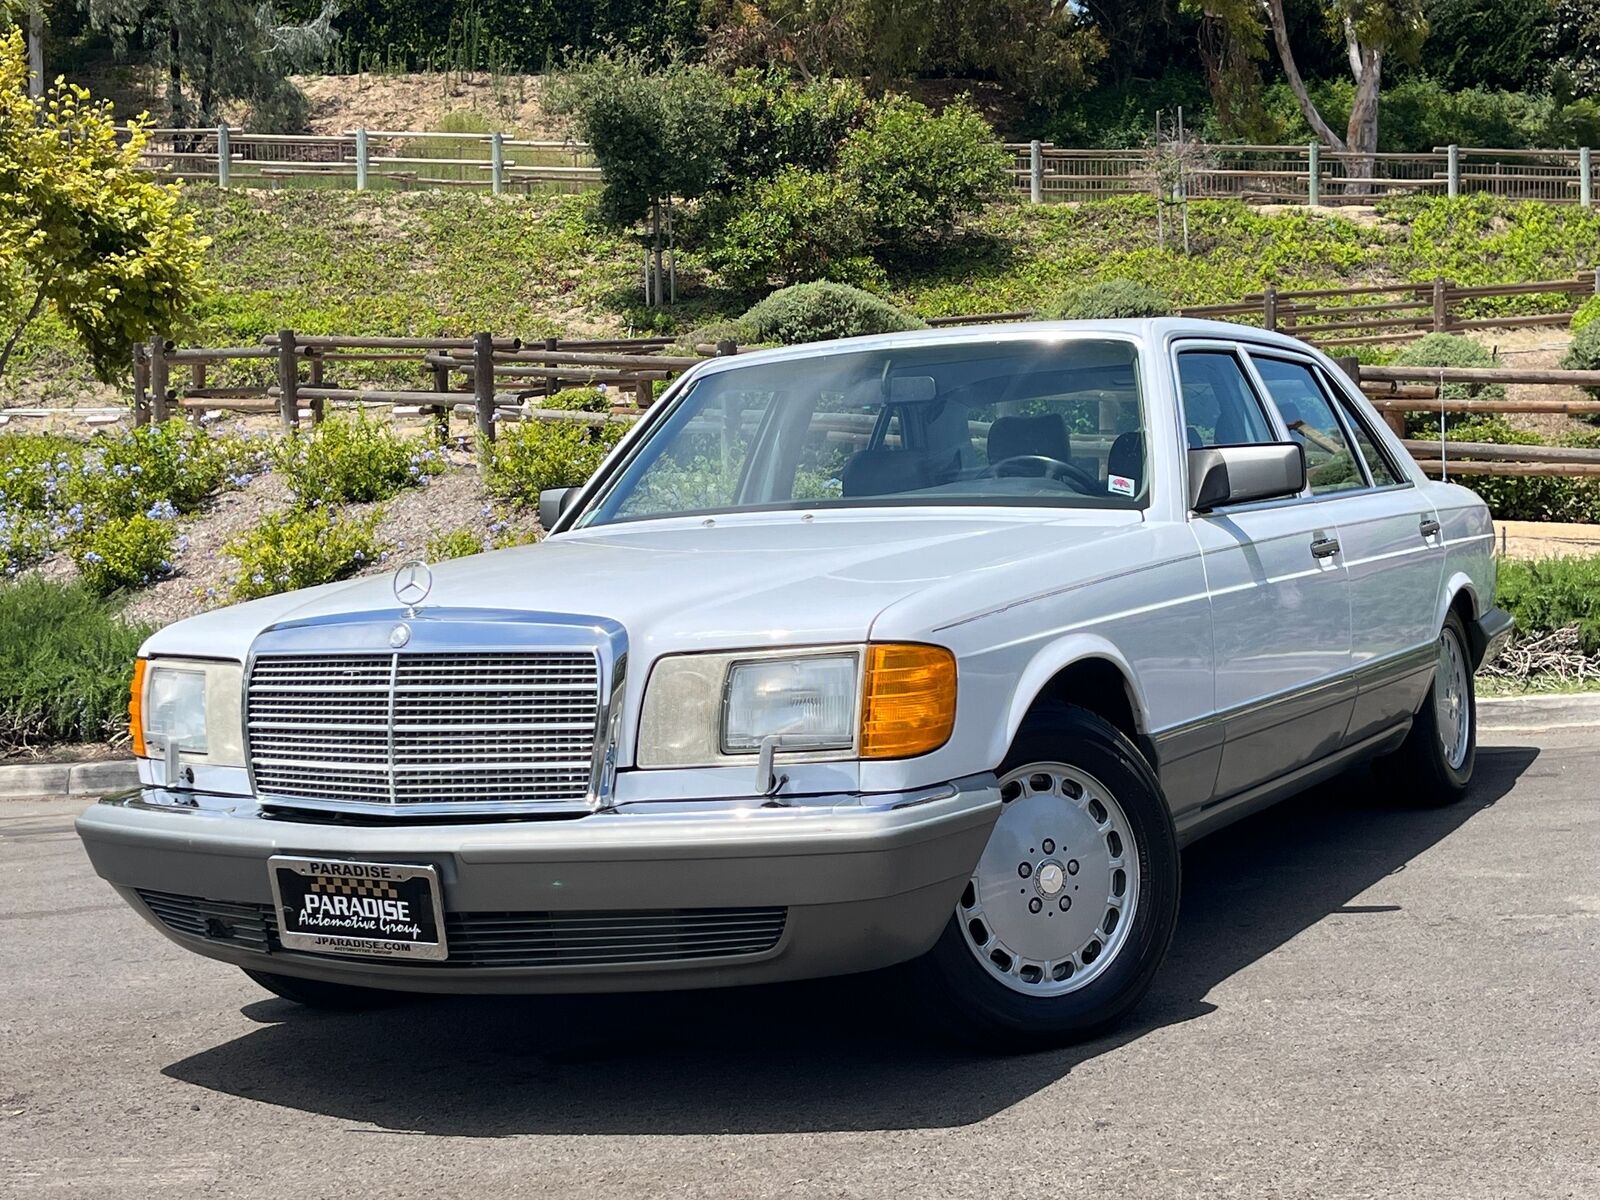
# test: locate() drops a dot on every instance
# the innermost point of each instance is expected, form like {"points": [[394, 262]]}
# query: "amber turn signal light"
{"points": [[136, 707], [910, 703]]}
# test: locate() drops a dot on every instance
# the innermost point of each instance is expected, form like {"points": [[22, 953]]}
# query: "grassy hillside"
{"points": [[425, 263]]}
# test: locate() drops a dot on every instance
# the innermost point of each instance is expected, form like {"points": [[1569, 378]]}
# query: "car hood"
{"points": [[746, 580]]}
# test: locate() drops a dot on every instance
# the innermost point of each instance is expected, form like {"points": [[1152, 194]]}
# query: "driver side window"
{"points": [[1220, 408]]}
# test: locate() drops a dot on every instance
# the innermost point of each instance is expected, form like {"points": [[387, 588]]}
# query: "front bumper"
{"points": [[1488, 635], [843, 883]]}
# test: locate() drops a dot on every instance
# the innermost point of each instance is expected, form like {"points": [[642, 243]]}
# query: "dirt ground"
{"points": [[418, 101]]}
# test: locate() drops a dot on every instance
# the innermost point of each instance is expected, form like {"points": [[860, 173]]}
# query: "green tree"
{"points": [[1574, 44], [212, 52], [82, 229], [1488, 43], [658, 135], [1044, 48]]}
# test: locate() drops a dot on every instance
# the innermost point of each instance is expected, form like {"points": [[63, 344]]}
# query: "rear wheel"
{"points": [[1070, 910], [1438, 755], [319, 993]]}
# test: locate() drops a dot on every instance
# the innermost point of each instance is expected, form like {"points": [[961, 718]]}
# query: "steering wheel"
{"points": [[1049, 468]]}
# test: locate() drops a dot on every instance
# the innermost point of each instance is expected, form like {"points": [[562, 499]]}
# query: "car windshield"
{"points": [[1041, 422]]}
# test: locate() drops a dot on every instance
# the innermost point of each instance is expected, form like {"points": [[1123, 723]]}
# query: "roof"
{"points": [[1153, 329]]}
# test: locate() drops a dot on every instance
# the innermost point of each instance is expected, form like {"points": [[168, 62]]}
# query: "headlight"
{"points": [[190, 702], [873, 701], [808, 702]]}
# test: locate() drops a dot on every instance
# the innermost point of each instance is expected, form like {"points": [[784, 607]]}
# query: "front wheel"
{"points": [[1437, 757], [1070, 910]]}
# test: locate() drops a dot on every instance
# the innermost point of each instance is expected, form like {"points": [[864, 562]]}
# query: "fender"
{"points": [[1051, 659], [1457, 583]]}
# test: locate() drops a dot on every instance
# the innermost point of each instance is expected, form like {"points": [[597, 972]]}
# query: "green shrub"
{"points": [[1584, 353], [65, 664], [123, 552], [1588, 313], [1110, 299], [354, 458], [778, 123], [1448, 350], [578, 399], [534, 455], [175, 464], [920, 174], [301, 548], [740, 332], [1529, 497], [816, 312], [1453, 350], [794, 227], [1552, 593], [458, 543]]}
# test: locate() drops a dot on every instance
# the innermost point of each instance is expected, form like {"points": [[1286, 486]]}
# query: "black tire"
{"points": [[976, 1005], [319, 993], [1426, 777]]}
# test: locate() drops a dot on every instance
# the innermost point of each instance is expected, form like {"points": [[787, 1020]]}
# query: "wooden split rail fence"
{"points": [[1361, 316], [493, 379], [490, 378]]}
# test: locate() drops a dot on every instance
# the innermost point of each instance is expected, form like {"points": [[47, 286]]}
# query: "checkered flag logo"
{"points": [[378, 889]]}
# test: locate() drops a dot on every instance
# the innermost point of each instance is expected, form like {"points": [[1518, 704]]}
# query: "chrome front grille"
{"points": [[499, 730]]}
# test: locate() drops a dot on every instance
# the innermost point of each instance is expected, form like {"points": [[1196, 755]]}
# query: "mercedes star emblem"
{"points": [[412, 583]]}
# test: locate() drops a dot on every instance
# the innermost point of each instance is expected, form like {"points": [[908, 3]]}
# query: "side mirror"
{"points": [[1220, 475], [552, 503]]}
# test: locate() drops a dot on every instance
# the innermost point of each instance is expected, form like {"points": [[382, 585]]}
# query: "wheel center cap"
{"points": [[1051, 878]]}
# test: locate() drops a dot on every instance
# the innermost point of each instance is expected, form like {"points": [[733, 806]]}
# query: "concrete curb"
{"points": [[1575, 711], [67, 779]]}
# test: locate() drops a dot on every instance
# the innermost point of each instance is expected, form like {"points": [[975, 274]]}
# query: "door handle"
{"points": [[1324, 547], [1429, 527]]}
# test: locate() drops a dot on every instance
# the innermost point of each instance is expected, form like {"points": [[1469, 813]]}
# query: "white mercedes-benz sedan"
{"points": [[931, 648]]}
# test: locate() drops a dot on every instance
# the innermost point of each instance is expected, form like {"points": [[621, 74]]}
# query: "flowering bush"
{"points": [[24, 539], [354, 458], [123, 552], [302, 548], [175, 462]]}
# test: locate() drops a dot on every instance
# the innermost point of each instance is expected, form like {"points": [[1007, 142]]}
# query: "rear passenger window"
{"points": [[1306, 412], [1378, 466], [1219, 405]]}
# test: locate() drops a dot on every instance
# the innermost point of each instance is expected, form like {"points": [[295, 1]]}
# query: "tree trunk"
{"points": [[1362, 133], [174, 75], [657, 298], [16, 334], [36, 48], [1280, 38]]}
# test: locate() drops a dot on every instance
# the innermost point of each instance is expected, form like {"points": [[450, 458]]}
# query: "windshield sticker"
{"points": [[1121, 485]]}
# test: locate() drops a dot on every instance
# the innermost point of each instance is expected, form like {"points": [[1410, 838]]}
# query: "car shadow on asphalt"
{"points": [[835, 1055]]}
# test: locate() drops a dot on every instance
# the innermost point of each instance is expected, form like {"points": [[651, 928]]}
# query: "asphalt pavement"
{"points": [[1362, 1000]]}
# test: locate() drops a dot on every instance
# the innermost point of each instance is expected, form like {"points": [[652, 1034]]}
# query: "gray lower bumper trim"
{"points": [[1488, 634], [866, 881]]}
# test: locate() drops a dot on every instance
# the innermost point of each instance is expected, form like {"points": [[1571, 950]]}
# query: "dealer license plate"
{"points": [[379, 910]]}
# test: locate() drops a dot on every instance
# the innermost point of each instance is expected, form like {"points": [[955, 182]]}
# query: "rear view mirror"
{"points": [[552, 503], [1220, 475]]}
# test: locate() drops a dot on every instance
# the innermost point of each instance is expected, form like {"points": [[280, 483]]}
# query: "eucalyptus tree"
{"points": [[1373, 32]]}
